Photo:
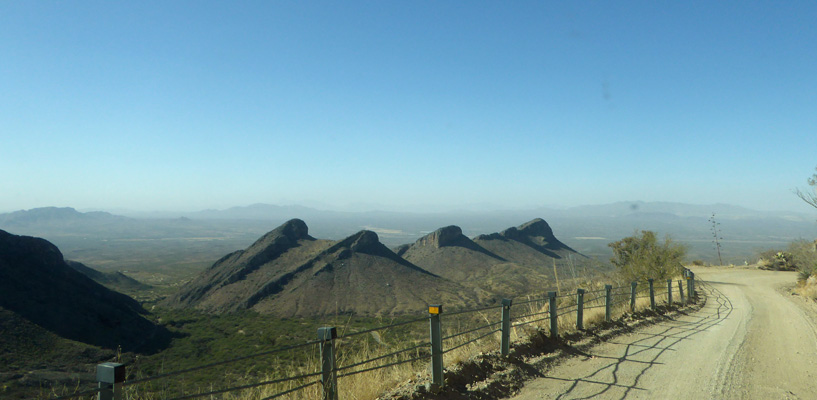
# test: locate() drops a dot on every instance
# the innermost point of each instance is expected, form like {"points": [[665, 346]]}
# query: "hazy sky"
{"points": [[173, 105]]}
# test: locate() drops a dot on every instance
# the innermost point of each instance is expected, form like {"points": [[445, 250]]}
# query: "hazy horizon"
{"points": [[157, 106], [419, 209]]}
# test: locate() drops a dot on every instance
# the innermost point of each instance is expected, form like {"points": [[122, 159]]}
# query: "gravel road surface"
{"points": [[752, 340]]}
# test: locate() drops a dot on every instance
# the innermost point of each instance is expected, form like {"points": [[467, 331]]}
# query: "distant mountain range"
{"points": [[515, 261], [289, 273], [587, 229]]}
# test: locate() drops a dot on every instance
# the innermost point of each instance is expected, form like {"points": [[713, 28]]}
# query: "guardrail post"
{"points": [[554, 317], [436, 347], [608, 303], [329, 374], [110, 377], [633, 293], [690, 286], [652, 294], [692, 293], [669, 291], [505, 345], [579, 309], [681, 290]]}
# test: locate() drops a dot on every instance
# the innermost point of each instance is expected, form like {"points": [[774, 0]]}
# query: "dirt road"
{"points": [[752, 340]]}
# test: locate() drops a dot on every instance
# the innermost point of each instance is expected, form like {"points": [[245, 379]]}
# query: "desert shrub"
{"points": [[776, 260], [698, 263], [799, 256], [804, 257], [643, 256]]}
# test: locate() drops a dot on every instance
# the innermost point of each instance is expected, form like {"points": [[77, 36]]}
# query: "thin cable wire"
{"points": [[381, 357], [471, 310], [232, 360], [304, 386], [383, 327], [529, 315], [471, 341], [530, 322], [384, 366], [568, 311], [471, 330], [248, 386], [543, 299]]}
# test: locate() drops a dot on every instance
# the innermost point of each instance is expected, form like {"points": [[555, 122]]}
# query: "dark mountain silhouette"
{"points": [[113, 280], [531, 242], [514, 262], [38, 285], [289, 273]]}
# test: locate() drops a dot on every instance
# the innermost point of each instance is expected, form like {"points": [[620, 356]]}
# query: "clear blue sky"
{"points": [[173, 105]]}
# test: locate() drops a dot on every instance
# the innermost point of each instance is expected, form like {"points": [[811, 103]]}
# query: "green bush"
{"points": [[799, 256], [643, 257], [804, 256], [776, 260]]}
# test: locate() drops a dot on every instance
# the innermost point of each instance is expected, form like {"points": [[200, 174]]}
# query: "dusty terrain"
{"points": [[752, 340]]}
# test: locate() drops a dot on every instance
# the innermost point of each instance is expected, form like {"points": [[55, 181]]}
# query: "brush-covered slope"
{"points": [[113, 280], [516, 261], [288, 273], [530, 243], [448, 253], [37, 285]]}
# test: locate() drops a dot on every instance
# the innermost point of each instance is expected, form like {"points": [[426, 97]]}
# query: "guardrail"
{"points": [[112, 383]]}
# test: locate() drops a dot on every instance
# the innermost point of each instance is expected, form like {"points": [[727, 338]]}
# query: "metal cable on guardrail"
{"points": [[458, 312], [217, 363], [517, 318], [380, 328], [247, 386], [528, 301], [381, 357], [471, 341], [454, 335], [530, 322], [295, 389], [382, 366], [569, 310], [575, 303]]}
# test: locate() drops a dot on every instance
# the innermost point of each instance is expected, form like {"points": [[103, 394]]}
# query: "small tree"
{"points": [[643, 257], [809, 196]]}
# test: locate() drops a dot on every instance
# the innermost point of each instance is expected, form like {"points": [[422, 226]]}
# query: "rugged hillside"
{"points": [[289, 273], [113, 280], [515, 262], [530, 243], [37, 284]]}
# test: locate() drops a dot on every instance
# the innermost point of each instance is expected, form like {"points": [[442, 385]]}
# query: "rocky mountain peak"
{"points": [[441, 237], [364, 242], [536, 227], [294, 229]]}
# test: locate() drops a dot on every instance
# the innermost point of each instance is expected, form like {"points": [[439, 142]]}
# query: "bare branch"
{"points": [[809, 198]]}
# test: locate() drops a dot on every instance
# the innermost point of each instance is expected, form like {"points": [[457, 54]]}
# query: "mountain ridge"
{"points": [[37, 284]]}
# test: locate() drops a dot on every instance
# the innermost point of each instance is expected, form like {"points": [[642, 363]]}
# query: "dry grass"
{"points": [[807, 288], [371, 384]]}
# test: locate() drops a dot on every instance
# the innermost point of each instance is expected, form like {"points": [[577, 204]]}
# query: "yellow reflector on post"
{"points": [[435, 309]]}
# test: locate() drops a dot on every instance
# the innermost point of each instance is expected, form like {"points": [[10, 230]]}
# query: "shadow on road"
{"points": [[717, 309]]}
